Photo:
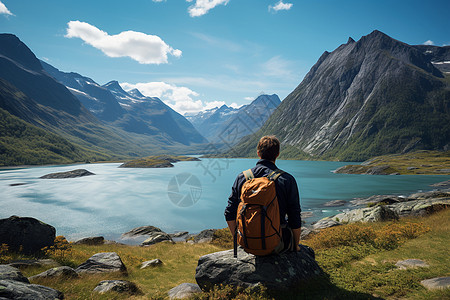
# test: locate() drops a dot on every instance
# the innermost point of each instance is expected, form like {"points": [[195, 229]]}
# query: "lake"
{"points": [[188, 197]]}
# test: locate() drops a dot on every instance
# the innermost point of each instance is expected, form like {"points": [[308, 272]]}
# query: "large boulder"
{"points": [[184, 290], [118, 286], [205, 236], [368, 214], [11, 273], [102, 263], [26, 234], [141, 231], [10, 289], [157, 237], [57, 272], [420, 207], [277, 273], [91, 241]]}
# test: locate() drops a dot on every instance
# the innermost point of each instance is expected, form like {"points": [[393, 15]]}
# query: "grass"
{"points": [[359, 260], [415, 163]]}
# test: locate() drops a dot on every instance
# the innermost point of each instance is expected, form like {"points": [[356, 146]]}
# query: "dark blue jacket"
{"points": [[287, 194]]}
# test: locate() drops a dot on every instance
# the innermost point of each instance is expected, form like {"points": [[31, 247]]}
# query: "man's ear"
{"points": [[257, 152]]}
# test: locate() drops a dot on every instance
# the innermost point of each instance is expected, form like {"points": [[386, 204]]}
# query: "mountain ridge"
{"points": [[366, 98]]}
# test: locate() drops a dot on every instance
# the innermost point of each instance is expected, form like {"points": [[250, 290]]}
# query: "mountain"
{"points": [[227, 125], [30, 94], [132, 112], [367, 98]]}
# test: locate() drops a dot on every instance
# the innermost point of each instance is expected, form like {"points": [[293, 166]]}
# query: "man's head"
{"points": [[268, 147]]}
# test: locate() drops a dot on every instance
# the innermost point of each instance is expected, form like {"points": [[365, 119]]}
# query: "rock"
{"points": [[151, 263], [420, 207], [10, 273], [429, 195], [68, 174], [325, 223], [141, 231], [33, 263], [184, 290], [96, 240], [412, 168], [276, 272], [370, 214], [372, 200], [439, 283], [204, 236], [335, 203], [305, 232], [58, 272], [26, 234], [119, 286], [10, 289], [443, 170], [102, 263], [411, 263], [443, 184], [307, 214], [157, 237], [181, 234]]}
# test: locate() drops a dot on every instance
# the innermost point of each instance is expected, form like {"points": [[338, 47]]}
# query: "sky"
{"points": [[199, 54]]}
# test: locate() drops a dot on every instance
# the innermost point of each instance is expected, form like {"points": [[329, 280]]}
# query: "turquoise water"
{"points": [[116, 200]]}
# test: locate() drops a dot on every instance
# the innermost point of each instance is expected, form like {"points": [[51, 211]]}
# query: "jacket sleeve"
{"points": [[293, 205], [233, 201]]}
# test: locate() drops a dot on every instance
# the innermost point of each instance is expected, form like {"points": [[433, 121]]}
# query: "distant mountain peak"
{"points": [[12, 47], [350, 40], [136, 93], [114, 85]]}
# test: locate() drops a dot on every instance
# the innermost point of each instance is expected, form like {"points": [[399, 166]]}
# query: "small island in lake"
{"points": [[422, 162], [157, 161]]}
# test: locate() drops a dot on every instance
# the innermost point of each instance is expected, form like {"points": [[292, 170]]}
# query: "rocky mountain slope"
{"points": [[366, 98], [227, 125], [29, 93]]}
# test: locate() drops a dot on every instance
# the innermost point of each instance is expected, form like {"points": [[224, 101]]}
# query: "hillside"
{"points": [[367, 98]]}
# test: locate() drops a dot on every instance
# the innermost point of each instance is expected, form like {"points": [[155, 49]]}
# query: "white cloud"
{"points": [[429, 43], [280, 6], [235, 105], [202, 7], [249, 98], [277, 67], [4, 10], [178, 98], [144, 48]]}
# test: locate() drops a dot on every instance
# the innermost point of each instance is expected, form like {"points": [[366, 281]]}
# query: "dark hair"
{"points": [[268, 147]]}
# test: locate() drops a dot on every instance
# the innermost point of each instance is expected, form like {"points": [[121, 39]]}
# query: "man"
{"points": [[287, 194]]}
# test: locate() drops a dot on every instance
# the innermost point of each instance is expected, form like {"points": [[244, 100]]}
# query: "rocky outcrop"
{"points": [[11, 273], [25, 263], [68, 174], [376, 199], [439, 283], [118, 286], [184, 290], [205, 236], [102, 263], [276, 272], [335, 203], [411, 263], [370, 214], [157, 237], [141, 231], [10, 289], [151, 263], [58, 272], [13, 285], [96, 240], [24, 234]]}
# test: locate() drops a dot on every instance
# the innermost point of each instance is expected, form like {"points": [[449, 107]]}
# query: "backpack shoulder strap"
{"points": [[248, 174], [275, 174]]}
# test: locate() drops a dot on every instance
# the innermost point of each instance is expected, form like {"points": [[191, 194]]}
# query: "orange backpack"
{"points": [[258, 216]]}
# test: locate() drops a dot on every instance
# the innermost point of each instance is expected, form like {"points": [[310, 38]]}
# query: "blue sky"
{"points": [[198, 54]]}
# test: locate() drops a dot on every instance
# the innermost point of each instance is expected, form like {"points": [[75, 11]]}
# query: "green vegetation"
{"points": [[157, 161], [358, 258], [413, 163], [22, 143]]}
